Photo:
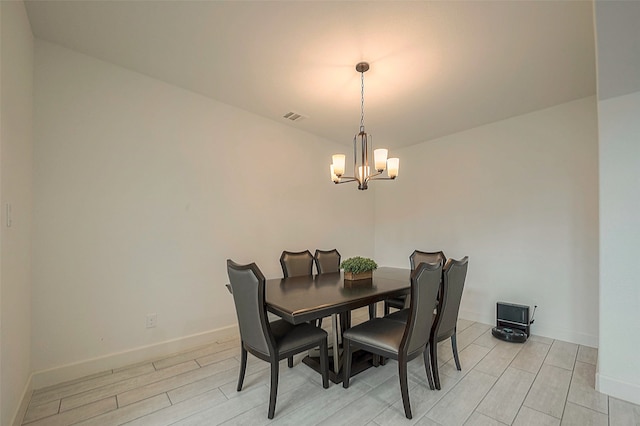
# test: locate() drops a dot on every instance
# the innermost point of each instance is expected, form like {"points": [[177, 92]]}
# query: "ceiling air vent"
{"points": [[294, 116]]}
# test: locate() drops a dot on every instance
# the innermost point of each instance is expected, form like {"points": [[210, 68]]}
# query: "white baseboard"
{"points": [[64, 373], [558, 333], [618, 389]]}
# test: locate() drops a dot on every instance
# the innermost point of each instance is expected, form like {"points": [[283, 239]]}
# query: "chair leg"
{"points": [[346, 366], [324, 363], [404, 389], [454, 347], [274, 388], [386, 308], [372, 311], [434, 363], [290, 362], [427, 367], [243, 366]]}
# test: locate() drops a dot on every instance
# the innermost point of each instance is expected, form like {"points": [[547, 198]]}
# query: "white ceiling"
{"points": [[437, 67]]}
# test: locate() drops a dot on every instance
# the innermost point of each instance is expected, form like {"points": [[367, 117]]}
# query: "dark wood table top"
{"points": [[302, 299]]}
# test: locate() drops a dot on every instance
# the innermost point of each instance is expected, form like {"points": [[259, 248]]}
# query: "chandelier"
{"points": [[362, 172]]}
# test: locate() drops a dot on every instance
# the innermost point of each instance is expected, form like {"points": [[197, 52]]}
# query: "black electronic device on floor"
{"points": [[513, 323]]}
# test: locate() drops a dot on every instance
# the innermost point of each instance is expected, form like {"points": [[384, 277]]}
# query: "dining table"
{"points": [[309, 298]]}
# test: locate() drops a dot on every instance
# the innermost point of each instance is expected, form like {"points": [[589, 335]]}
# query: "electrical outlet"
{"points": [[152, 320]]}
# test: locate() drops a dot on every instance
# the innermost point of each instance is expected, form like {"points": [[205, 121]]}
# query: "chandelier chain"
{"points": [[362, 101]]}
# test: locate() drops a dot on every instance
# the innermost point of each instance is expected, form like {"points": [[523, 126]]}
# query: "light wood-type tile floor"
{"points": [[540, 382]]}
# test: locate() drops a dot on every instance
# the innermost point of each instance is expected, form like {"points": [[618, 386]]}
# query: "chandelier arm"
{"points": [[381, 178], [345, 179], [373, 176]]}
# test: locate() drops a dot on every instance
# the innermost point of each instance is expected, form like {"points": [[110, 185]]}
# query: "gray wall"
{"points": [[618, 41], [16, 124], [520, 198]]}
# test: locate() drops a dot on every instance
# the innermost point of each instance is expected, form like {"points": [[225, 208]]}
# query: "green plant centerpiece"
{"points": [[358, 268]]}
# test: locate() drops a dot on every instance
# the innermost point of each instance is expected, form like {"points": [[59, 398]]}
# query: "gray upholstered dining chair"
{"points": [[416, 258], [398, 340], [454, 275], [327, 261], [269, 341], [296, 263]]}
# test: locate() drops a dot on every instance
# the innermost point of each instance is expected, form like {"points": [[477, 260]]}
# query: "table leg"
{"points": [[336, 348]]}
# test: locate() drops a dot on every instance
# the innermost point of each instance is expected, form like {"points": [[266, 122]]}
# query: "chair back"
{"points": [[295, 264], [327, 261], [425, 283], [248, 288], [417, 257], [454, 275]]}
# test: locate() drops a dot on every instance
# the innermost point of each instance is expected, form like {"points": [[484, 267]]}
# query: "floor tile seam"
{"points": [[584, 361], [125, 380], [199, 393], [585, 406], [521, 403], [470, 324], [531, 387], [522, 369], [468, 371], [123, 391], [502, 423], [306, 403], [40, 418], [143, 399], [82, 420], [181, 362], [384, 407], [45, 389], [46, 401], [205, 408], [141, 416], [573, 365], [566, 397], [430, 419], [136, 418], [559, 366], [199, 411], [520, 408], [92, 417], [185, 352], [456, 384], [279, 395], [588, 408], [595, 364], [438, 399], [485, 395], [174, 388], [505, 369], [201, 365]]}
